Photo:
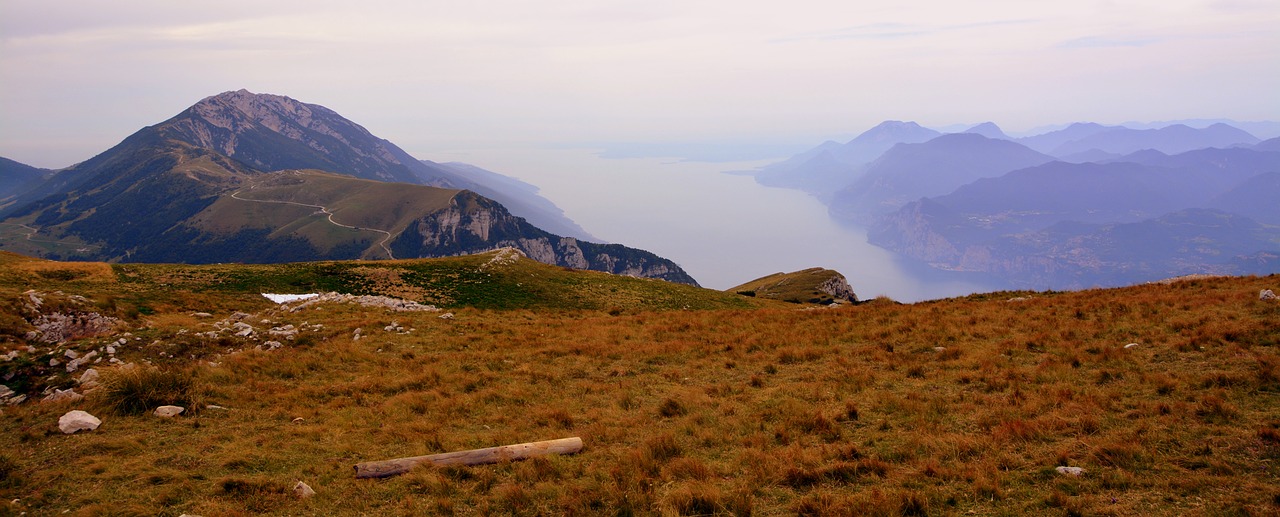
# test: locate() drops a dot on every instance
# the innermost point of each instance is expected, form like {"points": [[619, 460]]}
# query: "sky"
{"points": [[435, 77]]}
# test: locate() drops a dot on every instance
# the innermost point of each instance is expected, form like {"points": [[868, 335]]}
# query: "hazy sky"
{"points": [[77, 76]]}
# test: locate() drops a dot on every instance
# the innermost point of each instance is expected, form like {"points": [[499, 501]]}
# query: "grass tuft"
{"points": [[134, 391]]}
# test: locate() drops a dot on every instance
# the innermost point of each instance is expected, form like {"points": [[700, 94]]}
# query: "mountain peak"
{"points": [[234, 110], [989, 130]]}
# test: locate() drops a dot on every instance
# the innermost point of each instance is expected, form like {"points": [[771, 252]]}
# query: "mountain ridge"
{"points": [[137, 200]]}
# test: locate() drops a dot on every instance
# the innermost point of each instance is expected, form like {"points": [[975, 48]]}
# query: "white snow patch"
{"points": [[286, 298]]}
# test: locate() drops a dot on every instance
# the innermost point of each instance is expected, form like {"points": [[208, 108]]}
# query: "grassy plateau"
{"points": [[689, 401]]}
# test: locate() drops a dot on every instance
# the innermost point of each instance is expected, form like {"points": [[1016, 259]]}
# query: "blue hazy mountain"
{"points": [[909, 171], [831, 166]]}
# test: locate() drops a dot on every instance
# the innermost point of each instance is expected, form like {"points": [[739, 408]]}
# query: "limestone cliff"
{"points": [[473, 224]]}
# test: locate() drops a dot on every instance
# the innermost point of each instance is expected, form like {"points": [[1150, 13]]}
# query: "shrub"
{"points": [[135, 391]]}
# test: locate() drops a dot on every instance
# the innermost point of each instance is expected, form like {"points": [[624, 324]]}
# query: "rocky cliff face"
{"points": [[474, 224]]}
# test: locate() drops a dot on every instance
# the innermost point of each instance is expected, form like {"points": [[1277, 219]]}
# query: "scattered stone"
{"points": [[122, 342], [1131, 345], [8, 397], [13, 354], [1266, 294], [54, 362], [71, 354], [1017, 299], [89, 378], [269, 346], [77, 420], [939, 348], [242, 329], [303, 490], [446, 316], [1070, 471], [111, 350], [67, 395], [355, 336], [169, 411], [85, 359], [201, 315], [385, 302], [299, 420]]}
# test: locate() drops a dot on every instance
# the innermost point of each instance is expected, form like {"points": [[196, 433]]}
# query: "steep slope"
{"points": [[519, 197], [832, 166], [910, 171]]}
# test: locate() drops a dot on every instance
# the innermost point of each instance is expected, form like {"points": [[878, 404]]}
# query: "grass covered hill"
{"points": [[735, 406]]}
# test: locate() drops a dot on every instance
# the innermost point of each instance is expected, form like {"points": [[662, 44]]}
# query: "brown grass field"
{"points": [[951, 407]]}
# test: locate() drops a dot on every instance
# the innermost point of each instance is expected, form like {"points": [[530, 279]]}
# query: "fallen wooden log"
{"points": [[520, 451]]}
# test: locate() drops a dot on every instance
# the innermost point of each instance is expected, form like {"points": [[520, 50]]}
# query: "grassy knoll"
{"points": [[955, 406]]}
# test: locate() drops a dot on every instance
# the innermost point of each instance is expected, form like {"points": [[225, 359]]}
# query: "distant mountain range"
{"points": [[1080, 206], [244, 177]]}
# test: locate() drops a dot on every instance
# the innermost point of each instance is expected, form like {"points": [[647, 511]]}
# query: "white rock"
{"points": [[1131, 345], [71, 354], [169, 411], [78, 421], [1070, 471], [122, 342], [5, 391], [1266, 294], [67, 395], [111, 350], [303, 490], [446, 316], [201, 315]]}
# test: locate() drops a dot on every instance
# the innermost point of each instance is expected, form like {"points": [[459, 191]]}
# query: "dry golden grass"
{"points": [[949, 407]]}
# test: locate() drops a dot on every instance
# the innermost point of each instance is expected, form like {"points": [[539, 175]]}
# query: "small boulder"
{"points": [[1131, 345], [303, 490], [78, 421], [1071, 471], [1266, 294], [169, 411], [446, 316]]}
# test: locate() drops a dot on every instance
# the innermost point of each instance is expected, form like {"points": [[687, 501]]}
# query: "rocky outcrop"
{"points": [[838, 287], [58, 317], [474, 224], [813, 285]]}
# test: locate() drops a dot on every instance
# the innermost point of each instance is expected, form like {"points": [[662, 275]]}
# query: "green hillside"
{"points": [[287, 203]]}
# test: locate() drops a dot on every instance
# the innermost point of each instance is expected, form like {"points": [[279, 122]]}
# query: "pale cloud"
{"points": [[434, 75]]}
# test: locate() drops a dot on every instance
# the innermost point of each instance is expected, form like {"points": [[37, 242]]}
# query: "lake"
{"points": [[723, 229]]}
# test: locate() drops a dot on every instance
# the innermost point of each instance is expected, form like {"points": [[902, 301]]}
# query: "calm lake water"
{"points": [[723, 229]]}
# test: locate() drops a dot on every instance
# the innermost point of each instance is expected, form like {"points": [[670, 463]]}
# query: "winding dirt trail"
{"points": [[382, 244]]}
